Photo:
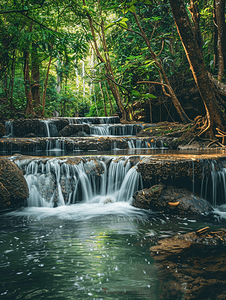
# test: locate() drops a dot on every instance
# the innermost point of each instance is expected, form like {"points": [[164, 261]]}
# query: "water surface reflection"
{"points": [[86, 251]]}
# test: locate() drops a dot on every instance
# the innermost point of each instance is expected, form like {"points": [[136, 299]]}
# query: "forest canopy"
{"points": [[147, 61]]}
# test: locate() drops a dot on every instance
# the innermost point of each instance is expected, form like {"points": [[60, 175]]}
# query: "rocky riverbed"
{"points": [[193, 265]]}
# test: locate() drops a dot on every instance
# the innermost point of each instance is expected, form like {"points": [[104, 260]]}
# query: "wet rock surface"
{"points": [[2, 130], [177, 167], [24, 127], [13, 186], [25, 145], [74, 129], [192, 265], [60, 123], [171, 200]]}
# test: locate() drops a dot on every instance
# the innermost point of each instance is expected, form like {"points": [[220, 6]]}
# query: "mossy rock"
{"points": [[2, 130], [13, 186]]}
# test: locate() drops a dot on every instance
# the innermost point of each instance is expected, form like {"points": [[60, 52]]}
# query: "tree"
{"points": [[220, 37], [214, 117], [105, 58]]}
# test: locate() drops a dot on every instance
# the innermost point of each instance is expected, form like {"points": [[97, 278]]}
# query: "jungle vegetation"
{"points": [[144, 60]]}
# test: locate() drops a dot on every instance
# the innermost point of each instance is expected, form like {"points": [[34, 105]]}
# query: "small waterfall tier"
{"points": [[70, 145], [54, 182], [93, 120], [9, 129], [116, 129], [106, 126]]}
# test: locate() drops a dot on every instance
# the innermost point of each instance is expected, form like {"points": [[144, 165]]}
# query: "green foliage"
{"points": [[61, 30]]}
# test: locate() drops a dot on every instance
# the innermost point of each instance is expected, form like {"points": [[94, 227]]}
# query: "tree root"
{"points": [[213, 142], [221, 134]]}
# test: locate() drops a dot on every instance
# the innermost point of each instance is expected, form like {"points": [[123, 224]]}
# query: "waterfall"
{"points": [[100, 130], [140, 144], [115, 130], [54, 182], [9, 129], [51, 129], [47, 127], [55, 145]]}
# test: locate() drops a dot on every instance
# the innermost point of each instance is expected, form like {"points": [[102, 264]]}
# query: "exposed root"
{"points": [[215, 142], [221, 134]]}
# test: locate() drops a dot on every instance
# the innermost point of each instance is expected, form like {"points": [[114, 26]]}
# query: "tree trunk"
{"points": [[27, 83], [45, 87], [102, 93], [35, 87], [107, 63], [194, 10], [219, 8], [109, 98], [183, 116], [12, 77], [197, 65]]}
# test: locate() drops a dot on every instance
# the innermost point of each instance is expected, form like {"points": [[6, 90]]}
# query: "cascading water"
{"points": [[47, 128], [55, 182], [9, 129], [115, 129], [51, 129], [92, 120], [140, 144]]}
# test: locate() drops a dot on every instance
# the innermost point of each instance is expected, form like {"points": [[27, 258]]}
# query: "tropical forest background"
{"points": [[100, 58]]}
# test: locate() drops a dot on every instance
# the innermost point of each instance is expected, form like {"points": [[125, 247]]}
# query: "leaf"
{"points": [[132, 9], [109, 25], [147, 2], [123, 24], [149, 96]]}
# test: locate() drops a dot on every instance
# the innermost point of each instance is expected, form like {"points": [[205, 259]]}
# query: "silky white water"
{"points": [[55, 182]]}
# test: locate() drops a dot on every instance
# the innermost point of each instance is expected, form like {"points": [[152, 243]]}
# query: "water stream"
{"points": [[79, 237], [83, 251]]}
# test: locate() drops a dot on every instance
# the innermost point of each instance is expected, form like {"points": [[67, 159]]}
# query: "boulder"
{"points": [[60, 123], [26, 127], [2, 130], [192, 265], [13, 186], [107, 201], [171, 200], [73, 129]]}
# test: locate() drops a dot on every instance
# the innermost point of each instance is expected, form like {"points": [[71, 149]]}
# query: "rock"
{"points": [[108, 201], [60, 123], [171, 200], [30, 135], [143, 198], [4, 196], [192, 266], [73, 129], [13, 186], [25, 127], [93, 167], [80, 134], [2, 130]]}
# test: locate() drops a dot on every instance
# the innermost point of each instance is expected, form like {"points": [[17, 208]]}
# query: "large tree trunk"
{"points": [[12, 77], [197, 65], [220, 33], [194, 10], [35, 87], [27, 84], [45, 87]]}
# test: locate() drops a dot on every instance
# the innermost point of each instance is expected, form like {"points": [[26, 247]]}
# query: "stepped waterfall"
{"points": [[56, 182]]}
